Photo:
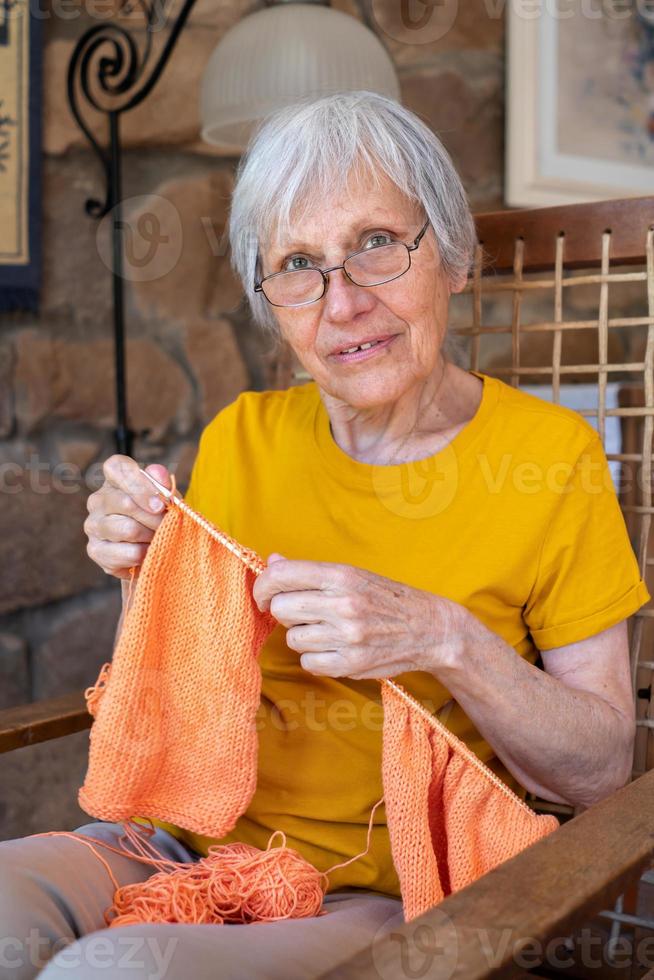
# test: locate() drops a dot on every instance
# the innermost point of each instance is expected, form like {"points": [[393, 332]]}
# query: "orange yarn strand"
{"points": [[94, 693], [132, 576], [234, 883], [363, 853]]}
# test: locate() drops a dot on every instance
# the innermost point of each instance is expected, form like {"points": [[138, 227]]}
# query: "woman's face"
{"points": [[407, 315]]}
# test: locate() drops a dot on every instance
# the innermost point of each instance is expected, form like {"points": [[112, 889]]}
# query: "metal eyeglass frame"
{"points": [[258, 286]]}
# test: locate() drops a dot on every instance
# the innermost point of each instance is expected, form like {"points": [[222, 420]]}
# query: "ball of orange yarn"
{"points": [[233, 883]]}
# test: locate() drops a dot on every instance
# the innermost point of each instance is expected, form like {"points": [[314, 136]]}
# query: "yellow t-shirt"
{"points": [[482, 522]]}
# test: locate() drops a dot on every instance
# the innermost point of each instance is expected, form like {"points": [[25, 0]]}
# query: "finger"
{"points": [[330, 663], [125, 474], [109, 501], [113, 557], [293, 608], [160, 473], [295, 576], [118, 527], [383, 670], [315, 638]]}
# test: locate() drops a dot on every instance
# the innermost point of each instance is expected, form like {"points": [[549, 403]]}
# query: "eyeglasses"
{"points": [[367, 267]]}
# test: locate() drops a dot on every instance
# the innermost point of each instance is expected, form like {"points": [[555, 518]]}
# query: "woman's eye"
{"points": [[379, 239], [296, 262]]}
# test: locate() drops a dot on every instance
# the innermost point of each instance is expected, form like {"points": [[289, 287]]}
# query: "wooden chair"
{"points": [[538, 308]]}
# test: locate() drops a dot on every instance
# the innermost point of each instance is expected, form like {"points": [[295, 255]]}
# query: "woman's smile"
{"points": [[363, 351]]}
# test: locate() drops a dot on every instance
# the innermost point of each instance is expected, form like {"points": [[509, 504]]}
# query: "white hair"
{"points": [[301, 152]]}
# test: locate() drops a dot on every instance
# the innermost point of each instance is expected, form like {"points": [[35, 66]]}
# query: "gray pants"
{"points": [[54, 890]]}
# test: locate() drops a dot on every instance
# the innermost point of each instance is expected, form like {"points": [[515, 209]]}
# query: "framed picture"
{"points": [[580, 101]]}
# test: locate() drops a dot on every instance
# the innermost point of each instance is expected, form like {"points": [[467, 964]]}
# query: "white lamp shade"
{"points": [[281, 54]]}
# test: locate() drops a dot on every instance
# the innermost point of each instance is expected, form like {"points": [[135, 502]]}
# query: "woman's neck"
{"points": [[418, 424]]}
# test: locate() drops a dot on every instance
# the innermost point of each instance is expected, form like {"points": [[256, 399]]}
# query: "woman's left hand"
{"points": [[348, 622]]}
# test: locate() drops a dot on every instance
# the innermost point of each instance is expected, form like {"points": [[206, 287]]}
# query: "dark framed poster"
{"points": [[20, 155]]}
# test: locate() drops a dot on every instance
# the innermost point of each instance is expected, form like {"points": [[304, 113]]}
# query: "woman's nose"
{"points": [[344, 299]]}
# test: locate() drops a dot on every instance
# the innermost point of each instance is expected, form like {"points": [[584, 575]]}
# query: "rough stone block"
{"points": [[42, 543], [14, 671], [39, 787], [461, 100], [77, 641], [217, 364], [75, 381], [419, 34], [76, 282], [190, 275], [79, 453], [6, 393]]}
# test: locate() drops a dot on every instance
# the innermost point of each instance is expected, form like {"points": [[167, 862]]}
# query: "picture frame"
{"points": [[579, 101]]}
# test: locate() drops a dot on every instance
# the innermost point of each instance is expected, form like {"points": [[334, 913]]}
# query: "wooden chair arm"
{"points": [[43, 720], [547, 891]]}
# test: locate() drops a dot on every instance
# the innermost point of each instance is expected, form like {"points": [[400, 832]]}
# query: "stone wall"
{"points": [[190, 346]]}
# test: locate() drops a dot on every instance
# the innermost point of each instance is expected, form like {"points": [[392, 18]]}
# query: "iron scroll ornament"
{"points": [[107, 62]]}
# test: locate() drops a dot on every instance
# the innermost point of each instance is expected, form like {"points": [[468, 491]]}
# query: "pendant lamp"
{"points": [[284, 52]]}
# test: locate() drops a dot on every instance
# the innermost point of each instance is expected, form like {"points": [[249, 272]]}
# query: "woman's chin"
{"points": [[368, 391]]}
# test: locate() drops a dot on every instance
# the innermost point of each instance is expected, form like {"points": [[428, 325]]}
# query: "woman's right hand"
{"points": [[124, 514]]}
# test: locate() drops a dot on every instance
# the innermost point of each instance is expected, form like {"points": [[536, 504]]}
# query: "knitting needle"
{"points": [[223, 538], [164, 491]]}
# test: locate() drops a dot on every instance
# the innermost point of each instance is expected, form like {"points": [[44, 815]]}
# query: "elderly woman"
{"points": [[420, 521]]}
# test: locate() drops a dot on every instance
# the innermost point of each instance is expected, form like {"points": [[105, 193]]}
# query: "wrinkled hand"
{"points": [[348, 622], [123, 515]]}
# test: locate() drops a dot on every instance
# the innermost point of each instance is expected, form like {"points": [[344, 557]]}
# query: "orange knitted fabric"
{"points": [[450, 818], [174, 735]]}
